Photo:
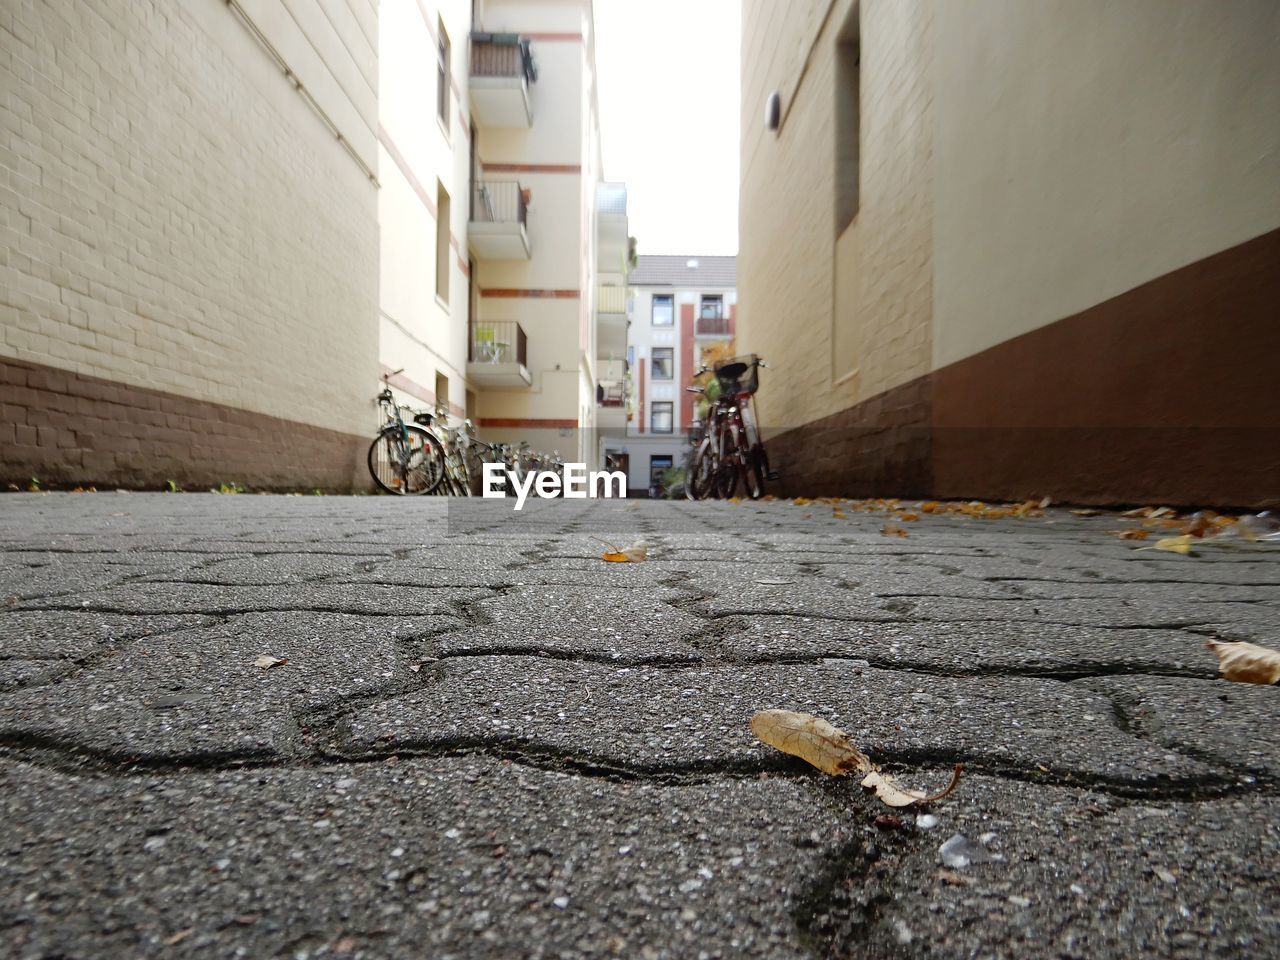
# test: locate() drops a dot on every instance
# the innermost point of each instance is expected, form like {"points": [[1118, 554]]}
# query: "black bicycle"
{"points": [[406, 459]]}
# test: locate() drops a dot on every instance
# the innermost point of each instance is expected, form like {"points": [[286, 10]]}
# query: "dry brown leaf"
{"points": [[267, 662], [908, 517], [1246, 662], [894, 796], [1135, 534], [817, 742], [893, 530], [811, 739]]}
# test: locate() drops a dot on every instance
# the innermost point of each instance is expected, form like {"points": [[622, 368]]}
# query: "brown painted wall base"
{"points": [[73, 430], [1168, 393]]}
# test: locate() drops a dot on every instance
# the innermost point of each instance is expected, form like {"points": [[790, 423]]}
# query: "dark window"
{"points": [[444, 78], [664, 310], [664, 363], [660, 415], [712, 307]]}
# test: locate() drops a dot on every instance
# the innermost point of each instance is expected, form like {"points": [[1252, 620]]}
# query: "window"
{"points": [[660, 415], [444, 78], [712, 307], [442, 391], [664, 363], [657, 467], [442, 242], [848, 120], [664, 309]]}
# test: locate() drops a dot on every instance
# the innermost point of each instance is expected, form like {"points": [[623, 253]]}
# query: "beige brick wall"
{"points": [[173, 215], [839, 318]]}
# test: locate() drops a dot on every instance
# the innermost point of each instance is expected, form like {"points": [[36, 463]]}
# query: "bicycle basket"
{"points": [[424, 418], [738, 375]]}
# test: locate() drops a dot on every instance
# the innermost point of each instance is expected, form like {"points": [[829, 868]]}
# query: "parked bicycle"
{"points": [[406, 459], [731, 453], [429, 455]]}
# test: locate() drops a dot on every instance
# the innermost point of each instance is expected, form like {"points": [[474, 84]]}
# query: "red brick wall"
{"points": [[686, 366], [72, 430]]}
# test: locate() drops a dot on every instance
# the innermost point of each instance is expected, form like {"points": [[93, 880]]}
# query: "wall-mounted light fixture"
{"points": [[773, 112]]}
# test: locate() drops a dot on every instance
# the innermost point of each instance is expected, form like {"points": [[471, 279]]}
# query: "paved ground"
{"points": [[487, 742]]}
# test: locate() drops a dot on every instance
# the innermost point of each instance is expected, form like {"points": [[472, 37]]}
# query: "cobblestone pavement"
{"points": [[487, 742]]}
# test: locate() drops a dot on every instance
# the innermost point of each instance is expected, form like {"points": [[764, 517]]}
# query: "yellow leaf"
{"points": [[893, 530], [1246, 662], [801, 501], [817, 742], [1173, 544], [632, 554]]}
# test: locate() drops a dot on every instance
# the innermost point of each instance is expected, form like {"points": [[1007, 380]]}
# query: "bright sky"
{"points": [[668, 85]]}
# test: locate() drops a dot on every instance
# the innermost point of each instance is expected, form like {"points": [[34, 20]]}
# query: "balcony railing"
{"points": [[712, 327], [613, 393], [502, 55], [498, 201], [498, 341], [611, 299]]}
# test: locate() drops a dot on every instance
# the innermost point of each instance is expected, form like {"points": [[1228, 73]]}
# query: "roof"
{"points": [[675, 271]]}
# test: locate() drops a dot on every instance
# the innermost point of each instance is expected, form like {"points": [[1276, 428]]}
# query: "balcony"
{"points": [[712, 326], [501, 70], [499, 220], [611, 227], [497, 354], [612, 393], [611, 321]]}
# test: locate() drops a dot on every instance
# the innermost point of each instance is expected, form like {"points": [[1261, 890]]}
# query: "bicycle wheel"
{"points": [[702, 472], [727, 468], [407, 468]]}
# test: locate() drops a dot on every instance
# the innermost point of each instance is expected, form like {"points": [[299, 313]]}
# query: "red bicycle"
{"points": [[731, 453]]}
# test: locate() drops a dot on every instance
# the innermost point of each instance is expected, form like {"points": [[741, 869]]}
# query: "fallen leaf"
{"points": [[632, 554], [266, 661], [178, 937], [1137, 533], [909, 517], [817, 742], [811, 739], [801, 501], [838, 514], [1246, 662], [1046, 503], [894, 796], [1087, 512], [893, 530], [344, 946], [1180, 544]]}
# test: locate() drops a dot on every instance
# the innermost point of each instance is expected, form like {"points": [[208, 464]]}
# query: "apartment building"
{"points": [[548, 240], [188, 242], [681, 313], [425, 145], [216, 247], [1003, 249]]}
